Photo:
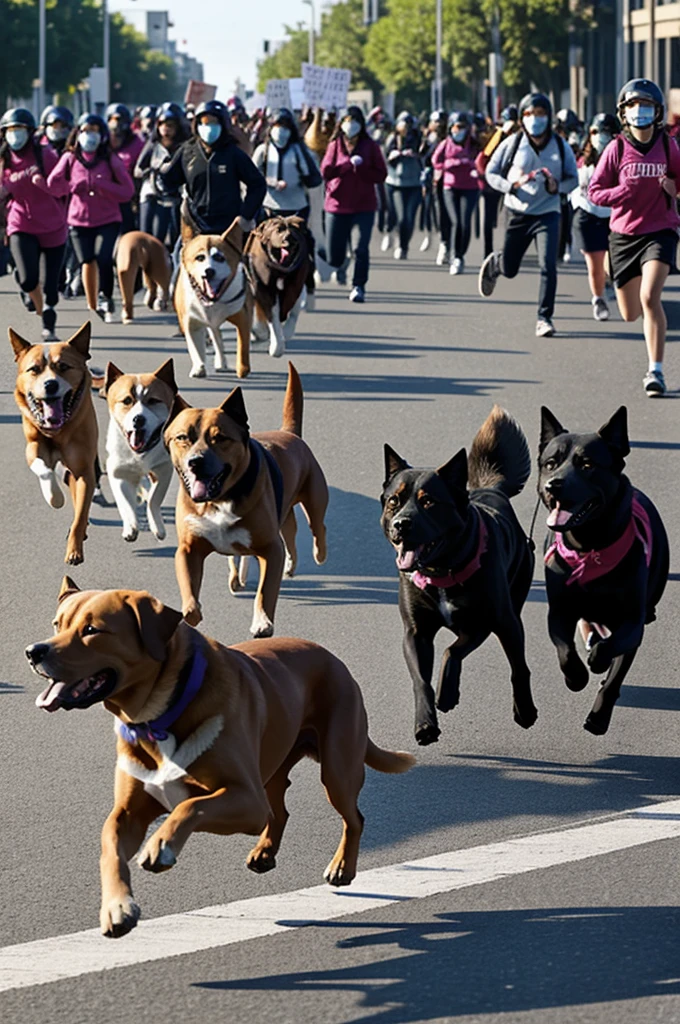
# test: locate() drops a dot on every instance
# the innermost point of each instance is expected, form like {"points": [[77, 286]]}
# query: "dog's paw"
{"points": [[338, 873], [597, 723], [158, 530], [156, 856], [222, 368], [118, 917], [576, 675], [130, 533], [261, 859], [276, 347], [261, 626], [74, 555], [289, 567], [525, 716], [192, 613], [426, 734], [197, 371], [600, 657], [242, 370]]}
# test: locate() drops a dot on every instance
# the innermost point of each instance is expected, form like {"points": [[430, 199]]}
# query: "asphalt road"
{"points": [[419, 366]]}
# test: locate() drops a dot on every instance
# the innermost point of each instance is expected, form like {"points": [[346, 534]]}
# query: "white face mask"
{"points": [[536, 124], [599, 140], [280, 136], [641, 115], [56, 134], [16, 138], [351, 128], [89, 141]]}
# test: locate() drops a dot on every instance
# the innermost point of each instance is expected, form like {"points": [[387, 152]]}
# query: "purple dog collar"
{"points": [[159, 728], [452, 579]]}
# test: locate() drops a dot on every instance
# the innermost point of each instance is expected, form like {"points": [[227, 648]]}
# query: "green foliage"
{"points": [[342, 41], [137, 73], [286, 61]]}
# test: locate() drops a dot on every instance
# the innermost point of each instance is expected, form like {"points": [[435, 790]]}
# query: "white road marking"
{"points": [[70, 956]]}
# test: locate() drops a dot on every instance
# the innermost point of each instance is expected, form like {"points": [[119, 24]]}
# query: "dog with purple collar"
{"points": [[606, 557]]}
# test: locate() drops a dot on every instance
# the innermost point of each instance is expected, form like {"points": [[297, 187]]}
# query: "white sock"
{"points": [[655, 367], [597, 298]]}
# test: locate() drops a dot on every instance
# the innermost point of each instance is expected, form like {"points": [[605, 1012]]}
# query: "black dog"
{"points": [[465, 563], [606, 560]]}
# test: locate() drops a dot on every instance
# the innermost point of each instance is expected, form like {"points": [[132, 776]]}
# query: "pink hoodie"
{"points": [[30, 207], [97, 188], [129, 153], [351, 189], [631, 187], [458, 164]]}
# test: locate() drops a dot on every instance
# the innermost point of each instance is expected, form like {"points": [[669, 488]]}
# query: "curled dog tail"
{"points": [[292, 403], [499, 457], [392, 762]]}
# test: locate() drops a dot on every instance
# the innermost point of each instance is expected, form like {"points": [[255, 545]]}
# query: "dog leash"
{"points": [[530, 538]]}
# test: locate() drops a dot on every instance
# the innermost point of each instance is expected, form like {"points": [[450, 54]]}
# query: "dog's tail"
{"points": [[392, 762], [499, 456], [292, 403]]}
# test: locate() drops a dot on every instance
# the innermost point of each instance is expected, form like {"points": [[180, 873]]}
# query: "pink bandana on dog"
{"points": [[589, 565], [422, 581]]}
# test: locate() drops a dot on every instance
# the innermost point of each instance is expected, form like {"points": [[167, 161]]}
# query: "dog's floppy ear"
{"points": [[393, 463], [234, 407], [550, 428], [67, 588], [166, 373], [234, 235], [155, 621], [81, 340], [615, 432], [112, 374], [18, 344], [454, 473]]}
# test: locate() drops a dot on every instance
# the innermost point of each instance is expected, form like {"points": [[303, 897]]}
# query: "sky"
{"points": [[226, 35]]}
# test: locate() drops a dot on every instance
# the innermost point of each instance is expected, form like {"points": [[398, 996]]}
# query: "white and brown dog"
{"points": [[212, 287], [139, 405]]}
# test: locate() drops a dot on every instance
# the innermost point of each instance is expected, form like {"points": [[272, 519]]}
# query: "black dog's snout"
{"points": [[37, 653], [138, 421], [399, 528], [51, 387], [554, 486], [196, 464], [209, 273]]}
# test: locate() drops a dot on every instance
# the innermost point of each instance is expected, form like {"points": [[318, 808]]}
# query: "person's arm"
{"points": [[604, 188], [256, 186], [570, 174], [143, 165], [493, 175], [49, 162], [438, 156], [374, 169], [392, 154], [58, 180], [330, 167], [171, 173], [120, 186]]}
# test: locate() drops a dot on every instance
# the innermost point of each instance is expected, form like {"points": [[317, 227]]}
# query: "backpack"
{"points": [[512, 153]]}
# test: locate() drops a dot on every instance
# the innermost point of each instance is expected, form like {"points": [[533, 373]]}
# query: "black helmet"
{"points": [[282, 115], [642, 89], [356, 113], [18, 116], [213, 107], [51, 114], [438, 116], [169, 112], [94, 119], [510, 113], [234, 103], [535, 99], [567, 120], [405, 117], [607, 123], [118, 110], [459, 117], [148, 113], [479, 120]]}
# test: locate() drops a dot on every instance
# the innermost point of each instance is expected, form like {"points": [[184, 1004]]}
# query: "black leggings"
{"points": [[91, 244], [26, 253]]}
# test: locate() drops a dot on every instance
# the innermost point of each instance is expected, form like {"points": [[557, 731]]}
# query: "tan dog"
{"points": [[138, 251], [139, 404], [53, 394], [237, 495], [207, 732], [280, 261], [212, 287]]}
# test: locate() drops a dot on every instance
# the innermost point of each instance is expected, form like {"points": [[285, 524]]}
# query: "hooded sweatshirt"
{"points": [[532, 197], [30, 207], [351, 189], [97, 188], [457, 163], [628, 181]]}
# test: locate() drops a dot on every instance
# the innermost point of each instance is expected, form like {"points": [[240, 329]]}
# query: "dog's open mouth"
{"points": [[204, 490], [407, 559], [140, 440], [82, 694], [563, 519], [53, 413]]}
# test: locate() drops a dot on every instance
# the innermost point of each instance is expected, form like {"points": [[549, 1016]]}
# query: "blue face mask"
{"points": [[210, 133], [640, 115], [535, 124], [16, 138], [459, 136]]}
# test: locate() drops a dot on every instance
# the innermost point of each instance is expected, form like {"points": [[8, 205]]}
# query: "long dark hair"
{"points": [[181, 135]]}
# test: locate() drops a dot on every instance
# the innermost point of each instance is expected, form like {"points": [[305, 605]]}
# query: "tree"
{"points": [[19, 65], [400, 50], [285, 62], [137, 74], [342, 41]]}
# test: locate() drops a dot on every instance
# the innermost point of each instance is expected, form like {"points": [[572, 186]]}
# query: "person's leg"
{"points": [[338, 230], [411, 205], [104, 246], [452, 205], [654, 274], [25, 250], [83, 241], [628, 300], [468, 200], [444, 218], [54, 259], [364, 223], [491, 199], [398, 201], [546, 231], [596, 273], [147, 214], [518, 237]]}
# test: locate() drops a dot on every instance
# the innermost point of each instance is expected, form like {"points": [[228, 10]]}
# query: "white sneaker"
{"points": [[442, 255], [357, 294], [425, 244], [457, 265], [386, 243], [567, 255], [398, 252], [544, 328], [600, 309]]}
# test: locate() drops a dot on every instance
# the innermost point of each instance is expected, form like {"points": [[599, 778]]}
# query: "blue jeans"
{"points": [[157, 220], [338, 234], [405, 203], [544, 230]]}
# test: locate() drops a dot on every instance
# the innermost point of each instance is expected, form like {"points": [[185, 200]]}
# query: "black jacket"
{"points": [[213, 183]]}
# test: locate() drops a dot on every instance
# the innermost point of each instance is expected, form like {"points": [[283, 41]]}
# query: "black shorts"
{"points": [[592, 231], [95, 243], [628, 253]]}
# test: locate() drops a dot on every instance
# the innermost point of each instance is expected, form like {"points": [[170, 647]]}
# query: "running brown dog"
{"points": [[207, 732], [238, 493], [53, 392], [139, 251]]}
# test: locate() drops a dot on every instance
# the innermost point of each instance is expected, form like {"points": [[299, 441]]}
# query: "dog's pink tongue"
{"points": [[285, 253], [199, 490], [558, 516], [136, 439], [406, 559], [53, 413], [51, 699]]}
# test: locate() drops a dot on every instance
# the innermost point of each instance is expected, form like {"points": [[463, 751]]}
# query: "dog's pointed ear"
{"points": [[18, 344], [188, 229], [234, 407], [615, 432], [112, 374], [393, 463], [178, 406], [155, 621], [67, 588], [81, 339], [166, 373], [454, 473], [550, 428], [234, 235]]}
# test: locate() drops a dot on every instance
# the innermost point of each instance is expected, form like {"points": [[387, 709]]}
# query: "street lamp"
{"points": [[107, 48], [41, 59], [311, 30], [438, 90]]}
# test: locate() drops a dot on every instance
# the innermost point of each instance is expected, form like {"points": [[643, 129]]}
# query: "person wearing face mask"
{"points": [[532, 168], [56, 126], [36, 221], [212, 168], [508, 125], [455, 158], [352, 168], [288, 167], [637, 178], [403, 184], [433, 213], [159, 206], [591, 222], [97, 183], [127, 145]]}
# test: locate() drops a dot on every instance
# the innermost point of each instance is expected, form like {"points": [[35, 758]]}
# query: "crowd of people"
{"points": [[71, 188]]}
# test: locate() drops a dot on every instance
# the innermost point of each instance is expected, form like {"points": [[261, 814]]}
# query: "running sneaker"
{"points": [[489, 272], [105, 308], [654, 384], [425, 244], [49, 335], [386, 243], [400, 253], [27, 301], [567, 254], [457, 265], [544, 328], [357, 294], [600, 309], [442, 255]]}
